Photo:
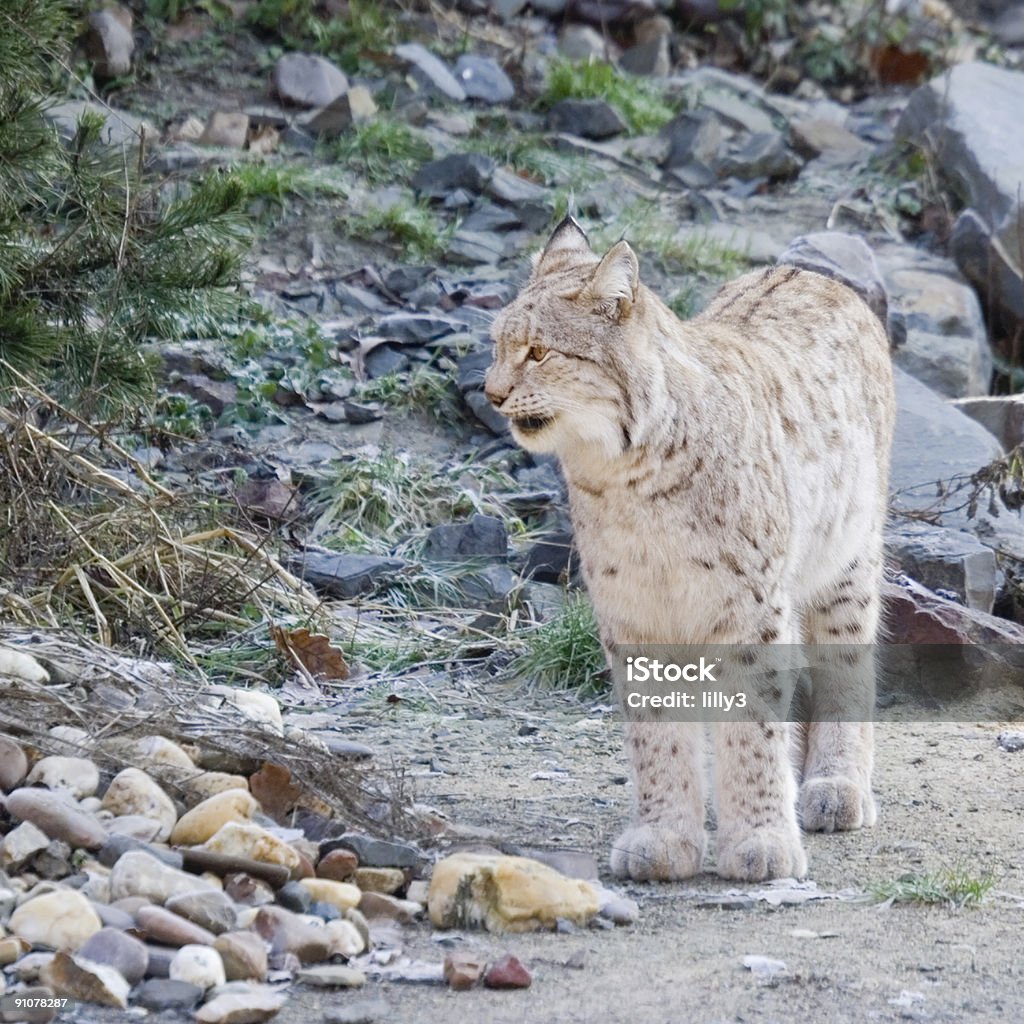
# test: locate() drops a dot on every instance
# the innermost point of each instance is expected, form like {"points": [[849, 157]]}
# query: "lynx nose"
{"points": [[493, 389]]}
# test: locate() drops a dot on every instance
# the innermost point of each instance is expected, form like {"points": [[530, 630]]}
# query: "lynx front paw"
{"points": [[835, 804], [761, 854], [656, 853]]}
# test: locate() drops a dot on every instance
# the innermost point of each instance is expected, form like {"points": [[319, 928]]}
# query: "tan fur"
{"points": [[727, 482]]}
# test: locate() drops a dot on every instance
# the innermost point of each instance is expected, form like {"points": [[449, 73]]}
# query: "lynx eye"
{"points": [[536, 353]]}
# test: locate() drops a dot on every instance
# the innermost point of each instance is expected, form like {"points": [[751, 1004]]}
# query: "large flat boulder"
{"points": [[969, 120]]}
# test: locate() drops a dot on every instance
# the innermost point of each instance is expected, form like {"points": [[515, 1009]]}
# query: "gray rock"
{"points": [[160, 994], [486, 413], [490, 590], [467, 246], [480, 537], [582, 42], [214, 911], [764, 155], [1001, 415], [969, 120], [948, 560], [692, 136], [470, 171], [1008, 28], [383, 360], [593, 119], [934, 441], [341, 574], [109, 42], [119, 127], [414, 328], [648, 58], [294, 897], [58, 816], [483, 79], [551, 560], [507, 187], [361, 412], [116, 845], [430, 72], [374, 853], [845, 258], [125, 954], [946, 344], [354, 107], [307, 80], [1011, 742]]}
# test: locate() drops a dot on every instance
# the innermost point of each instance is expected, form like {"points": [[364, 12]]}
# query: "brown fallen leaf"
{"points": [[894, 66], [312, 652], [275, 790]]}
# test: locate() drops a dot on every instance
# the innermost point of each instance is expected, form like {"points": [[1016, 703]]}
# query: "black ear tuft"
{"points": [[568, 235]]}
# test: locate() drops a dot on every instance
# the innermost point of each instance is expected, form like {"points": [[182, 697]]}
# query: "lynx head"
{"points": [[567, 349]]}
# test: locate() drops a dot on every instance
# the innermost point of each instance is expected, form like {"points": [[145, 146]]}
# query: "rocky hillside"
{"points": [[323, 522]]}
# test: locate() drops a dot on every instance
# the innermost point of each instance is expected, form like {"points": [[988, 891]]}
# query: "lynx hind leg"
{"points": [[665, 839], [840, 630]]}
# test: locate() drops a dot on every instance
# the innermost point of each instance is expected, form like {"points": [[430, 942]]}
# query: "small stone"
{"points": [[211, 783], [436, 179], [582, 42], [135, 826], [13, 764], [243, 839], [207, 818], [20, 845], [383, 880], [248, 890], [332, 976], [356, 107], [763, 155], [127, 955], [593, 119], [74, 775], [482, 537], [254, 704], [70, 740], [462, 971], [430, 72], [345, 938], [139, 874], [287, 932], [160, 994], [244, 956], [227, 129], [214, 910], [507, 972], [363, 1011], [118, 845], [763, 966], [133, 792], [12, 948], [58, 816], [158, 752], [502, 893], [342, 574], [483, 79], [109, 42], [338, 865], [198, 965], [76, 978], [114, 917], [1011, 742], [339, 894], [295, 897], [160, 958], [251, 1006], [375, 853], [375, 905], [166, 927], [63, 919], [306, 80]]}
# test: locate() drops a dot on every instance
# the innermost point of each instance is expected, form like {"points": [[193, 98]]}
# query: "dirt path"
{"points": [[948, 796]]}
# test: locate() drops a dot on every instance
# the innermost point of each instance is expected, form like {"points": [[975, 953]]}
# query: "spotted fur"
{"points": [[727, 481]]}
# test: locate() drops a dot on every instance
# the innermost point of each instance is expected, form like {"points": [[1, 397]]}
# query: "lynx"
{"points": [[727, 480]]}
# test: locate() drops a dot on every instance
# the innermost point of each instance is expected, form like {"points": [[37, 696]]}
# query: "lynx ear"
{"points": [[568, 235], [616, 280]]}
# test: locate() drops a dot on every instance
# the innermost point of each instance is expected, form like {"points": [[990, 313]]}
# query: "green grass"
{"points": [[952, 887], [565, 652], [382, 150], [638, 100], [414, 229], [382, 502], [422, 389]]}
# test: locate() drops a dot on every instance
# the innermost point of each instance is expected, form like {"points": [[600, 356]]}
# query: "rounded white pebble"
{"points": [[198, 965]]}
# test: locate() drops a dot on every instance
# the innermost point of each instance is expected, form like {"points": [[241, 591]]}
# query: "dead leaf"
{"points": [[894, 66], [313, 652], [275, 790]]}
